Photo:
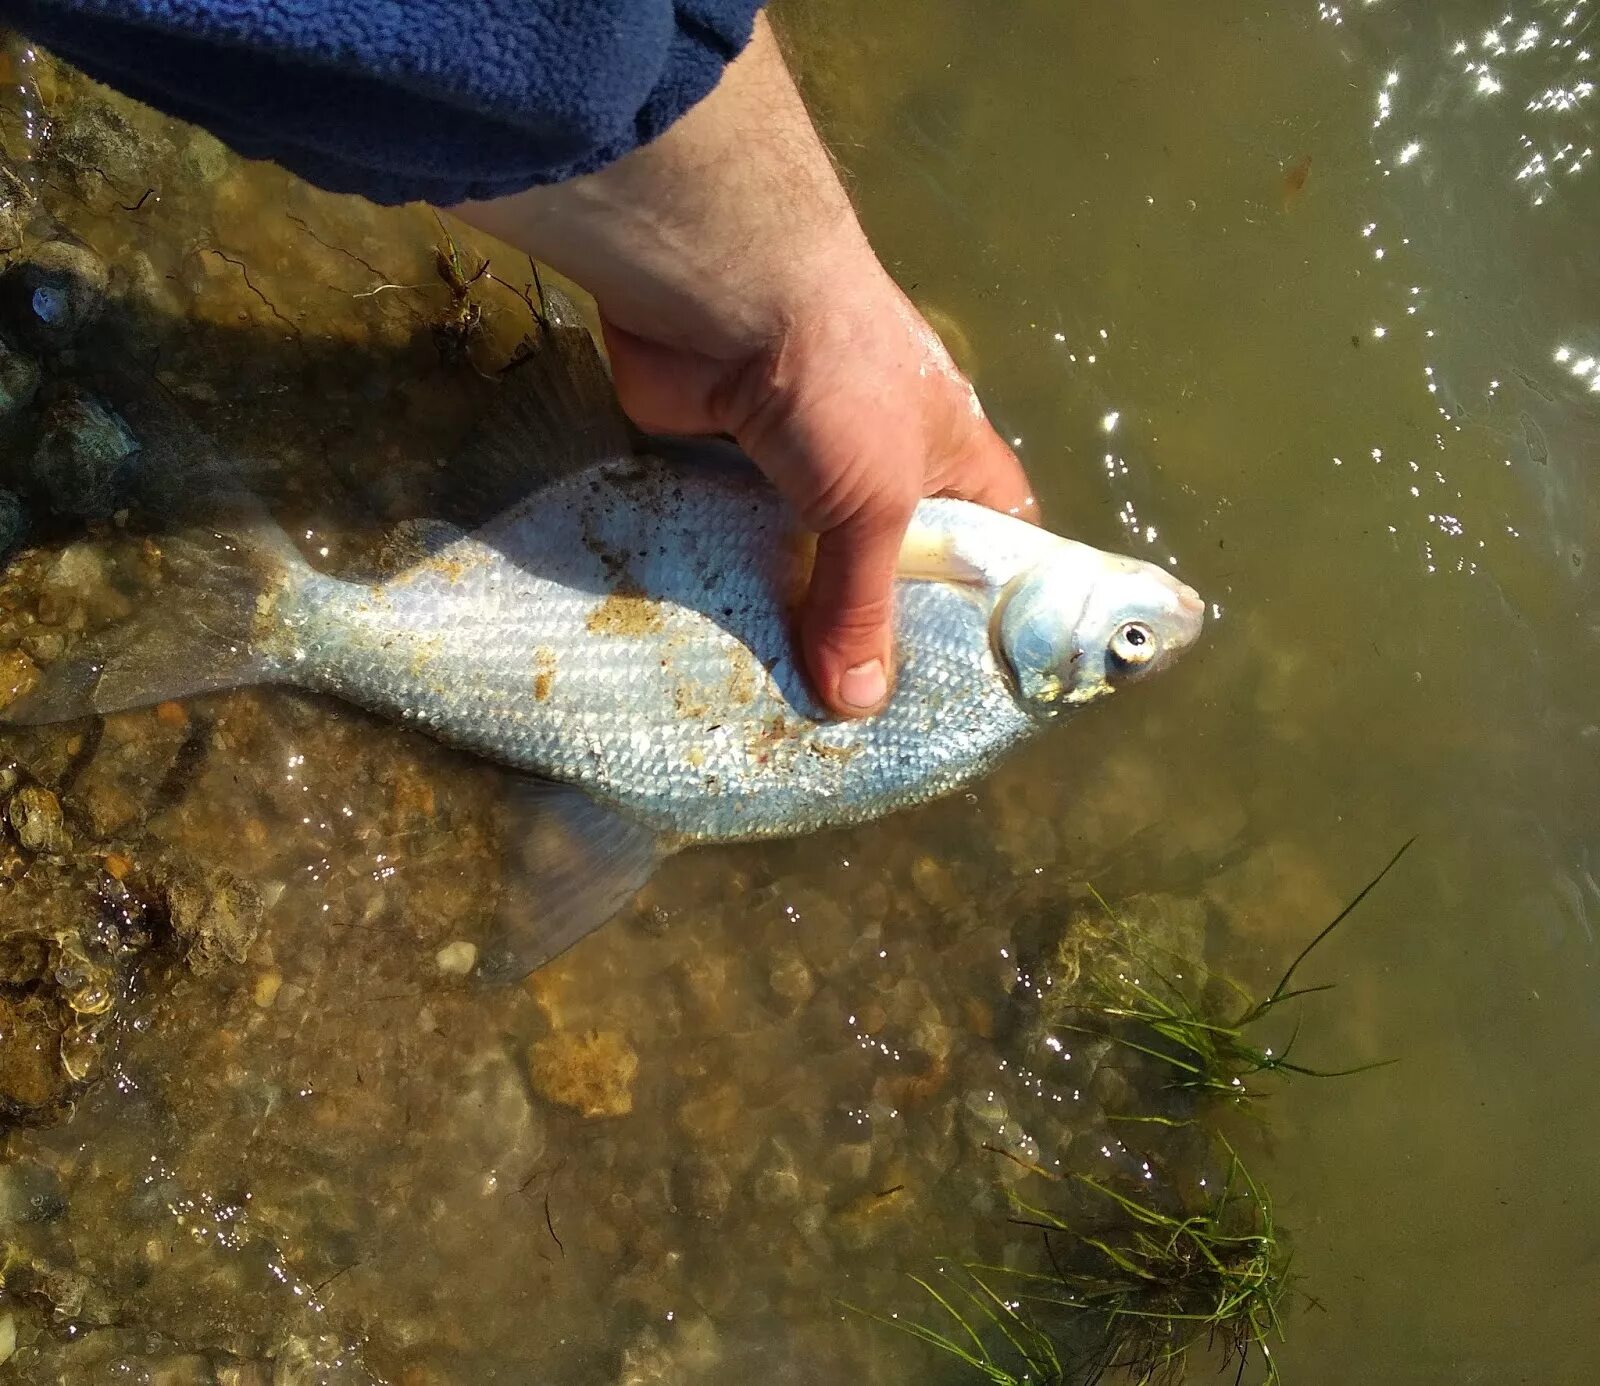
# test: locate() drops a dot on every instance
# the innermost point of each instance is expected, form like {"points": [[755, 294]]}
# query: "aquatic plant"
{"points": [[1180, 1026], [1132, 1281], [1134, 1286]]}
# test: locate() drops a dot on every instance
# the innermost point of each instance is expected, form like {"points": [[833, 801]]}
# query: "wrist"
{"points": [[714, 238]]}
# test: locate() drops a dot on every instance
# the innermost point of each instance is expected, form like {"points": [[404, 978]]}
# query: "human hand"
{"points": [[855, 414], [739, 295]]}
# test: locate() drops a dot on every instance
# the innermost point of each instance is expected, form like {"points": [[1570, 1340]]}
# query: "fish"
{"points": [[621, 639]]}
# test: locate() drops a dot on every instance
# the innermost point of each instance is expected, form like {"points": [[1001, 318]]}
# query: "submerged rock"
{"points": [[67, 937], [53, 294], [87, 458], [215, 915], [35, 817], [701, 1188], [592, 1074], [19, 382]]}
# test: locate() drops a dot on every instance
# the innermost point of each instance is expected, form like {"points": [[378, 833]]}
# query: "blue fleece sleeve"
{"points": [[408, 100]]}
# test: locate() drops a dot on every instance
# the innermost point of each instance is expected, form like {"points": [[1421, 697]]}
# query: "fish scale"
{"points": [[532, 642]]}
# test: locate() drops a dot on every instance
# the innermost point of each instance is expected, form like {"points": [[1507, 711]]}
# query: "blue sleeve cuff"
{"points": [[440, 101]]}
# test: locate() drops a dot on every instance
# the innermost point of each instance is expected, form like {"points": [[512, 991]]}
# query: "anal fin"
{"points": [[571, 863]]}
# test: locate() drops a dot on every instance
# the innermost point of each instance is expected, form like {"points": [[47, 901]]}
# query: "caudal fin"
{"points": [[197, 632]]}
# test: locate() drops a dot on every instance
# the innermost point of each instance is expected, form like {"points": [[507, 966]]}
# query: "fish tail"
{"points": [[205, 628]]}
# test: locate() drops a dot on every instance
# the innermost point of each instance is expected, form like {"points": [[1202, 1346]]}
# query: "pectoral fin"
{"points": [[571, 864], [929, 554]]}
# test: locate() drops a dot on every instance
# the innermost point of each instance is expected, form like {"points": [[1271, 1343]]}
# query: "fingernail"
{"points": [[864, 685]]}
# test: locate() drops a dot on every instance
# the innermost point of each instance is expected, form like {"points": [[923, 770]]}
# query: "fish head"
{"points": [[1080, 623]]}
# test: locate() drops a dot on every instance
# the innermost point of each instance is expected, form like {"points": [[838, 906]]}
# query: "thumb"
{"points": [[846, 626]]}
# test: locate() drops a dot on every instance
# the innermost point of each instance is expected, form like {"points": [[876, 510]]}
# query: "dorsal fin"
{"points": [[556, 412]]}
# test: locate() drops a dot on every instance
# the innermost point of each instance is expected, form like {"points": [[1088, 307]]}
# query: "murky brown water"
{"points": [[1303, 302]]}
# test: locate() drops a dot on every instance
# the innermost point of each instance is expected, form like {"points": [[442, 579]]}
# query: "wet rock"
{"points": [[591, 1074], [215, 915], [204, 158], [701, 1188], [850, 1159], [822, 929], [457, 959], [320, 1361], [702, 984], [790, 979], [776, 1183], [936, 885], [712, 1115], [863, 1220], [983, 1112], [18, 674], [691, 1353], [52, 294], [87, 458], [492, 1122], [35, 817], [96, 145], [8, 1337], [19, 383], [32, 1080]]}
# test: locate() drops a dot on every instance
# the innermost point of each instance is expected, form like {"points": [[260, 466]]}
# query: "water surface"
{"points": [[1301, 302]]}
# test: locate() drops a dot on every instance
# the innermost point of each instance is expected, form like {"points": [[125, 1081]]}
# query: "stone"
{"points": [[791, 980], [29, 1193], [35, 817], [457, 959], [204, 158], [215, 915], [87, 458], [701, 1188], [589, 1073], [32, 1080], [18, 674]]}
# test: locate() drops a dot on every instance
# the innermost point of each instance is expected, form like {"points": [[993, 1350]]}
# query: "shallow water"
{"points": [[1301, 303]]}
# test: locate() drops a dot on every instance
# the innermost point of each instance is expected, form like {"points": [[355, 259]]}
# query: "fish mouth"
{"points": [[1188, 615]]}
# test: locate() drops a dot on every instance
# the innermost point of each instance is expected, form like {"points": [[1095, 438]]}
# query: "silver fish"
{"points": [[623, 636]]}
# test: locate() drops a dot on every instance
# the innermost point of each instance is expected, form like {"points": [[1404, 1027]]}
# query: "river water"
{"points": [[1299, 301]]}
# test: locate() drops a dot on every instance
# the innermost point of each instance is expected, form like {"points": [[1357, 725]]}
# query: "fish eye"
{"points": [[1134, 643]]}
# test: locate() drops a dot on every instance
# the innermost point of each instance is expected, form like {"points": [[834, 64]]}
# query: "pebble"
{"points": [[35, 817], [457, 958], [491, 1123], [701, 1188], [205, 158], [590, 1073], [266, 989], [29, 1193], [790, 979], [983, 1112], [777, 1183], [18, 674], [215, 914]]}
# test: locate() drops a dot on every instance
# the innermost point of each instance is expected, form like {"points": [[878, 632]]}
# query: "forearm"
{"points": [[708, 236]]}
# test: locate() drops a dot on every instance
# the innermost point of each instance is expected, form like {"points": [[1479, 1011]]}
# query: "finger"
{"points": [[846, 628], [988, 473]]}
